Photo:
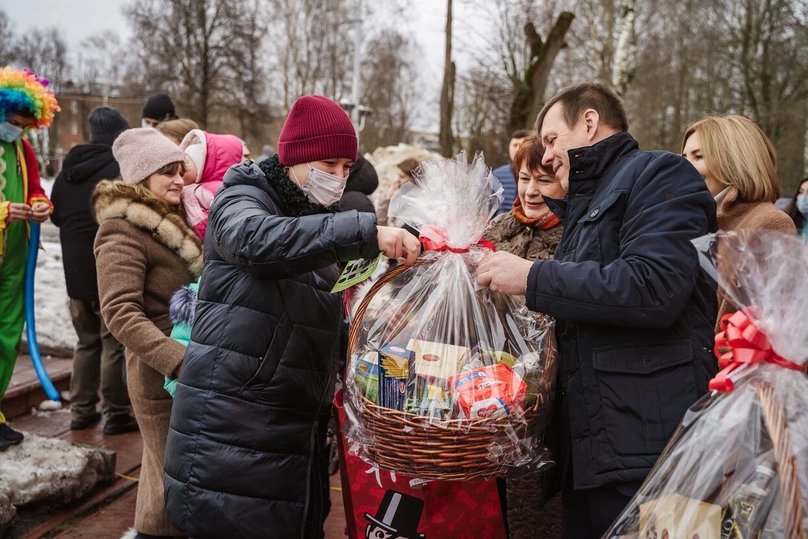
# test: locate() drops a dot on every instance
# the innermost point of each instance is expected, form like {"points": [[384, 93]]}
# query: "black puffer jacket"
{"points": [[246, 430], [634, 311], [85, 165]]}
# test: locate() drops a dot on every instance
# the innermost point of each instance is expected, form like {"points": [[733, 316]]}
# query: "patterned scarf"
{"points": [[545, 222]]}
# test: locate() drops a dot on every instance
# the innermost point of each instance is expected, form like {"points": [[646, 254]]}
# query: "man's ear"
{"points": [[592, 122]]}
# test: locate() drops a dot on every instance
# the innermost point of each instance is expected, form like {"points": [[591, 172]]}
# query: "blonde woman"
{"points": [[145, 251], [739, 164]]}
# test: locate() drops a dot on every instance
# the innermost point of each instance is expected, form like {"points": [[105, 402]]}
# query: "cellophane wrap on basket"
{"points": [[447, 380], [737, 466]]}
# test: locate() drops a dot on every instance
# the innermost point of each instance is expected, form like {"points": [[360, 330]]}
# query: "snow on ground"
{"points": [[42, 469]]}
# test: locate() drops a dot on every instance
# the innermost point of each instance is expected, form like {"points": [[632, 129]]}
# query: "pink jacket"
{"points": [[221, 152]]}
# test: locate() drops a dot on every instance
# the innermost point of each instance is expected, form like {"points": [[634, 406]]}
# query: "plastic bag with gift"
{"points": [[447, 380], [737, 466]]}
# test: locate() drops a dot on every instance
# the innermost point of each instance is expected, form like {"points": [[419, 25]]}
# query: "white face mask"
{"points": [[323, 188], [802, 204], [10, 133]]}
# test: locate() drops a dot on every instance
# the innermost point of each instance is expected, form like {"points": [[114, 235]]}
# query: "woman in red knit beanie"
{"points": [[245, 454]]}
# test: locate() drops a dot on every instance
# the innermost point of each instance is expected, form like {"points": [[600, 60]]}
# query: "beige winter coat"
{"points": [[144, 253], [733, 214]]}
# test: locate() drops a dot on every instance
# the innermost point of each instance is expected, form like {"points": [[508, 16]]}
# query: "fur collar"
{"points": [[116, 200], [292, 200]]}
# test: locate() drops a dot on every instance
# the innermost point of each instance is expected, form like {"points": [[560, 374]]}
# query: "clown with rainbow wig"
{"points": [[25, 102]]}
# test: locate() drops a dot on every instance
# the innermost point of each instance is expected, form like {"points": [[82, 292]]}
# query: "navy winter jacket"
{"points": [[243, 451], [509, 188], [635, 314]]}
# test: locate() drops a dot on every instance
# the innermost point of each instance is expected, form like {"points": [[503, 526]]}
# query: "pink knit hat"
{"points": [[316, 129], [142, 151]]}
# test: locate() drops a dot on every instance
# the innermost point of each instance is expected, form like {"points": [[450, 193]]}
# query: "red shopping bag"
{"points": [[403, 507]]}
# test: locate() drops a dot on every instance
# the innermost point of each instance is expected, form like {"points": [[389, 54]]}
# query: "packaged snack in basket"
{"points": [[432, 364], [741, 452], [674, 516], [488, 392], [366, 374], [431, 325]]}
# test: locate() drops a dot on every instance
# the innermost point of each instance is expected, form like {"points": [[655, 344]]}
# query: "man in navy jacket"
{"points": [[634, 312]]}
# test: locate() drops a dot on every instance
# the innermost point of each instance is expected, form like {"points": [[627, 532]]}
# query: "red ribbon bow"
{"points": [[433, 238], [742, 342]]}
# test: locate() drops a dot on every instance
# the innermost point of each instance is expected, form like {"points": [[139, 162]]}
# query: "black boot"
{"points": [[10, 435], [83, 423], [4, 444], [120, 424]]}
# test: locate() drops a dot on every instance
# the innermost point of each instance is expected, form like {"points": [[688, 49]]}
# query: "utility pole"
{"points": [[357, 61]]}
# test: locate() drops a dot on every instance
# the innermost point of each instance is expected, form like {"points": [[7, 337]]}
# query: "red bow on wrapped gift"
{"points": [[434, 238], [742, 342]]}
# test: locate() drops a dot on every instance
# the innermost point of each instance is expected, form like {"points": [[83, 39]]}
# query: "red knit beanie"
{"points": [[316, 129]]}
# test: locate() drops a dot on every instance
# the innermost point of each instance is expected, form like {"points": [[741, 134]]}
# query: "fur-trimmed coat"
{"points": [[509, 235], [144, 252]]}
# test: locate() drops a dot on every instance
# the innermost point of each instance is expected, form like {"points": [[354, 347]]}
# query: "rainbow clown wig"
{"points": [[21, 90]]}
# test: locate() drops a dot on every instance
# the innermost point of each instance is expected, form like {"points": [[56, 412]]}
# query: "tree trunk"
{"points": [[528, 96], [626, 50], [447, 91]]}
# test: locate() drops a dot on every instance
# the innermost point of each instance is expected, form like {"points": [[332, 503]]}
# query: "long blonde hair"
{"points": [[738, 153]]}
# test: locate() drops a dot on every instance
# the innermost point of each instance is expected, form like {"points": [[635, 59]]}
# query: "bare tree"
{"points": [[482, 114], [389, 84], [311, 57], [190, 48], [45, 52], [529, 89], [100, 63], [7, 38], [447, 90]]}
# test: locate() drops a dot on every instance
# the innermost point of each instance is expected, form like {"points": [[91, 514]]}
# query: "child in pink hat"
{"points": [[208, 157]]}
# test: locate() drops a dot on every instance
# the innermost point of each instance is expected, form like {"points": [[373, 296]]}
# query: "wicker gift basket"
{"points": [[737, 466], [447, 381]]}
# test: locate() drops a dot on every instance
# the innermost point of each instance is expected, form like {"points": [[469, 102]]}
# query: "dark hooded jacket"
{"points": [[84, 166], [243, 453], [634, 311], [362, 182]]}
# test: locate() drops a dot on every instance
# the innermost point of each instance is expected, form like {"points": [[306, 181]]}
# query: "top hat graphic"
{"points": [[399, 514]]}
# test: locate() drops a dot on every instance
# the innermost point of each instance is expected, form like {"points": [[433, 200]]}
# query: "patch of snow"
{"points": [[49, 406], [7, 513], [41, 469], [47, 185]]}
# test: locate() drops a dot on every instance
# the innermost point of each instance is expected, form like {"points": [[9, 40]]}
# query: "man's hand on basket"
{"points": [[504, 272], [397, 243]]}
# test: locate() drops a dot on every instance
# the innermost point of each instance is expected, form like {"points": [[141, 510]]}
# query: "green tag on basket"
{"points": [[355, 272]]}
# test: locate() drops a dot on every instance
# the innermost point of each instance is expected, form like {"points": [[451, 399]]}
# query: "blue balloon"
{"points": [[30, 324]]}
